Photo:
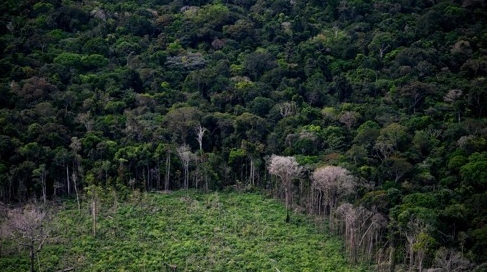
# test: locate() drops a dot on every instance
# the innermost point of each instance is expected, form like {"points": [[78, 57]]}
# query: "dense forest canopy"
{"points": [[382, 105]]}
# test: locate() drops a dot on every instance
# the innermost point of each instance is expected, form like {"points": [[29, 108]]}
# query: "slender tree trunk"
{"points": [[186, 175], [167, 172], [411, 256], [148, 175], [331, 216], [391, 259], [319, 201], [371, 243], [68, 183], [197, 176], [351, 243], [420, 257], [106, 176], [32, 257], [251, 172], [206, 177], [312, 199], [286, 199], [44, 187], [159, 177], [74, 177]]}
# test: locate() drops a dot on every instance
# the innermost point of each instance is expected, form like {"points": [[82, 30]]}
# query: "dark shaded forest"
{"points": [[369, 113]]}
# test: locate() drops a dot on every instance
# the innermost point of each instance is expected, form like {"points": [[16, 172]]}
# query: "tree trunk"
{"points": [[411, 257], [186, 175], [391, 259], [68, 183], [44, 187], [251, 178], [287, 218], [197, 176], [420, 257], [149, 177], [287, 197], [331, 217], [74, 177], [167, 172], [205, 173], [159, 176], [32, 257]]}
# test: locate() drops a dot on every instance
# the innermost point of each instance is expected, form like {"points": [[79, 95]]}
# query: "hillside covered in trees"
{"points": [[369, 113]]}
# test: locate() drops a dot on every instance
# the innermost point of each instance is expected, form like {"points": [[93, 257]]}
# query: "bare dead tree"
{"points": [[74, 178], [86, 119], [202, 172], [332, 182], [384, 150], [348, 215], [286, 169], [75, 147], [449, 260], [371, 231], [452, 97], [200, 134], [349, 118], [94, 192], [27, 226], [418, 239], [287, 109], [185, 155], [362, 231]]}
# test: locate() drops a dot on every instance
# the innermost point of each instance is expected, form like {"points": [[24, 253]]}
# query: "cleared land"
{"points": [[189, 230]]}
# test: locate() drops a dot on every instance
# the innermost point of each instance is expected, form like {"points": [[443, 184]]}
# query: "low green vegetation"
{"points": [[194, 231]]}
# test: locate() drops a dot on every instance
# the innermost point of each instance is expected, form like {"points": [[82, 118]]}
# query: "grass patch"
{"points": [[193, 231]]}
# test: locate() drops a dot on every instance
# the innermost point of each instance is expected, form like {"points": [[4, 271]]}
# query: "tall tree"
{"points": [[391, 137], [28, 227], [333, 182], [286, 169], [363, 230], [413, 95], [449, 260], [41, 174], [180, 121], [186, 156], [200, 130], [253, 151], [94, 193]]}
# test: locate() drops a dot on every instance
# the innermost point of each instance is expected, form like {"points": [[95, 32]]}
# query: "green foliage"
{"points": [[236, 155], [474, 174], [96, 45], [216, 232], [105, 91], [94, 61], [68, 60]]}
